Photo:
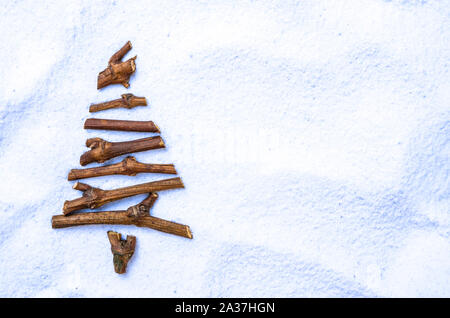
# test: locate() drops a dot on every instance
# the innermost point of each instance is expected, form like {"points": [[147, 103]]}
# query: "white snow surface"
{"points": [[312, 138]]}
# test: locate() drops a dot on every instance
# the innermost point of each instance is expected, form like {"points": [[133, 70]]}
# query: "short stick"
{"points": [[95, 197], [122, 250], [127, 101], [102, 150], [118, 72], [137, 215]]}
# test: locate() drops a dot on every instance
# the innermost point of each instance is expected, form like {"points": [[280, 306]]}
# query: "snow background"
{"points": [[312, 138]]}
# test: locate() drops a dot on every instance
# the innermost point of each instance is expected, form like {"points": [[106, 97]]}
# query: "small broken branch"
{"points": [[122, 125], [117, 72], [128, 166], [102, 150], [143, 208], [95, 197], [138, 215], [122, 250], [127, 101]]}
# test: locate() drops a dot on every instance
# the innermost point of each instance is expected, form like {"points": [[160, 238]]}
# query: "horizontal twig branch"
{"points": [[95, 197], [127, 101], [102, 150], [122, 125], [128, 166], [137, 215], [120, 218], [122, 250], [117, 72]]}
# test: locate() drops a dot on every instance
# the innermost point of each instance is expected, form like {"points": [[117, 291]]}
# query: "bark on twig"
{"points": [[102, 150], [117, 72], [122, 125], [121, 218], [122, 250], [128, 166], [143, 208], [127, 101], [95, 197], [137, 215]]}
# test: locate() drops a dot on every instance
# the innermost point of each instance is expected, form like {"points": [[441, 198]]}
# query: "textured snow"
{"points": [[312, 138]]}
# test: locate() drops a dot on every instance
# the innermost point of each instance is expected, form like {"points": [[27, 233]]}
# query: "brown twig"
{"points": [[143, 208], [122, 125], [127, 101], [128, 166], [138, 215], [122, 250], [95, 197], [102, 150], [117, 72]]}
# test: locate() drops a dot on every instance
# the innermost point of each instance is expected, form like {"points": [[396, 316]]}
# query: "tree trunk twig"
{"points": [[138, 215], [127, 101], [122, 125], [122, 250], [117, 72], [128, 166], [95, 197], [102, 150]]}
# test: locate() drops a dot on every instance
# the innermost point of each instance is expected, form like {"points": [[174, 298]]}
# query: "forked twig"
{"points": [[122, 250], [121, 125], [102, 150], [128, 166], [138, 215], [95, 197], [127, 101]]}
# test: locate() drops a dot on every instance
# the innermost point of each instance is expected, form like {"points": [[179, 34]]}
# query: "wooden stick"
{"points": [[122, 125], [117, 72], [127, 101], [102, 150], [122, 250], [95, 197], [137, 215], [143, 208], [128, 166]]}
